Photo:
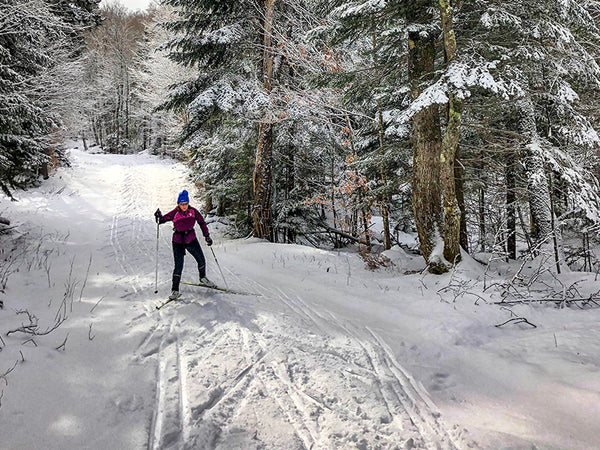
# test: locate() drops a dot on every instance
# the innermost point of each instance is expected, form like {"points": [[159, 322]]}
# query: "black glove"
{"points": [[208, 240], [157, 216]]}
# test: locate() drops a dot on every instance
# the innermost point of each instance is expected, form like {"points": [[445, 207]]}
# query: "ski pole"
{"points": [[156, 275], [222, 276]]}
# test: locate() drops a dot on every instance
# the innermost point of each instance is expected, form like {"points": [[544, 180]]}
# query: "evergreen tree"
{"points": [[28, 31]]}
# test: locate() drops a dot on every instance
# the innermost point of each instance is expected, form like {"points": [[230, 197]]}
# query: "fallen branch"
{"points": [[34, 330], [584, 300], [516, 320], [7, 229]]}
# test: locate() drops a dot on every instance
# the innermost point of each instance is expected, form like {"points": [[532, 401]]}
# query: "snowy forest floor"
{"points": [[327, 355]]}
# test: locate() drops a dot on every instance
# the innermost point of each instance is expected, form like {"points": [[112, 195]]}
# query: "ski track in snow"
{"points": [[272, 371], [211, 397]]}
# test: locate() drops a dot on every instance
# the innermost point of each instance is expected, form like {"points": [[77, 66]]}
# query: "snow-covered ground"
{"points": [[325, 355]]}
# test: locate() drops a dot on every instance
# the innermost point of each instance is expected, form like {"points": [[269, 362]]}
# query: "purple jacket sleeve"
{"points": [[202, 223], [169, 216]]}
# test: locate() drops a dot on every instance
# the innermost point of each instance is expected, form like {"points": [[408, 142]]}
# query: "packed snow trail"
{"points": [[326, 355], [213, 369]]}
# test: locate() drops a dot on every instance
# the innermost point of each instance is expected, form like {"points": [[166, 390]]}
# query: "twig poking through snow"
{"points": [[86, 277], [97, 303], [3, 376], [63, 345], [30, 340]]}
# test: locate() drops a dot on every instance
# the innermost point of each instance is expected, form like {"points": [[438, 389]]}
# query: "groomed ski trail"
{"points": [[285, 368]]}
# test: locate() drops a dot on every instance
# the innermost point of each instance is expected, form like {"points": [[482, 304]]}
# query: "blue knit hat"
{"points": [[183, 197]]}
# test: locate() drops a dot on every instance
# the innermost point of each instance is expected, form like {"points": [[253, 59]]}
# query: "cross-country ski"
{"points": [[219, 288]]}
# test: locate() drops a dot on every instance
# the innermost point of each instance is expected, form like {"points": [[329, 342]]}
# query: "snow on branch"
{"points": [[582, 185], [495, 17], [460, 78], [359, 9], [228, 34]]}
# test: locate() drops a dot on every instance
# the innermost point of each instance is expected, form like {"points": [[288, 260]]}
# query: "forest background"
{"points": [[471, 123]]}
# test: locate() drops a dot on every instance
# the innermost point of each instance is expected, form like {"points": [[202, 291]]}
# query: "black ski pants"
{"points": [[179, 252]]}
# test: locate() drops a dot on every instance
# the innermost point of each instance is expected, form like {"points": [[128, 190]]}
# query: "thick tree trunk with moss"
{"points": [[451, 209], [427, 139], [263, 176]]}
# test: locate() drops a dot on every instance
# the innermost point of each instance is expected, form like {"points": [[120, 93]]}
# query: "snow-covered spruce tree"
{"points": [[542, 48], [239, 95], [221, 39], [369, 43], [29, 34]]}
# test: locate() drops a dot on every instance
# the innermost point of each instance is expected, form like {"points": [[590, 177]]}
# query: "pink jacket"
{"points": [[183, 224]]}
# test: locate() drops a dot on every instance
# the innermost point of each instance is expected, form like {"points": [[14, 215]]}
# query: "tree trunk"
{"points": [[427, 141], [101, 134], [127, 105], [290, 183], [95, 130], [363, 210], [208, 204], [449, 147], [262, 182], [511, 217], [262, 177], [459, 173], [537, 183], [118, 117], [481, 217], [384, 197], [221, 206]]}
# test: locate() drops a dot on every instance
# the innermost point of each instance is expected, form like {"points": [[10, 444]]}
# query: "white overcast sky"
{"points": [[131, 4]]}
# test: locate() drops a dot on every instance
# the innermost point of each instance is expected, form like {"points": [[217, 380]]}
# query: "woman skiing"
{"points": [[184, 218]]}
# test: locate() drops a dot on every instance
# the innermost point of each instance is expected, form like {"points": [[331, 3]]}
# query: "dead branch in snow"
{"points": [[459, 290], [516, 320], [579, 302], [33, 328], [6, 229]]}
